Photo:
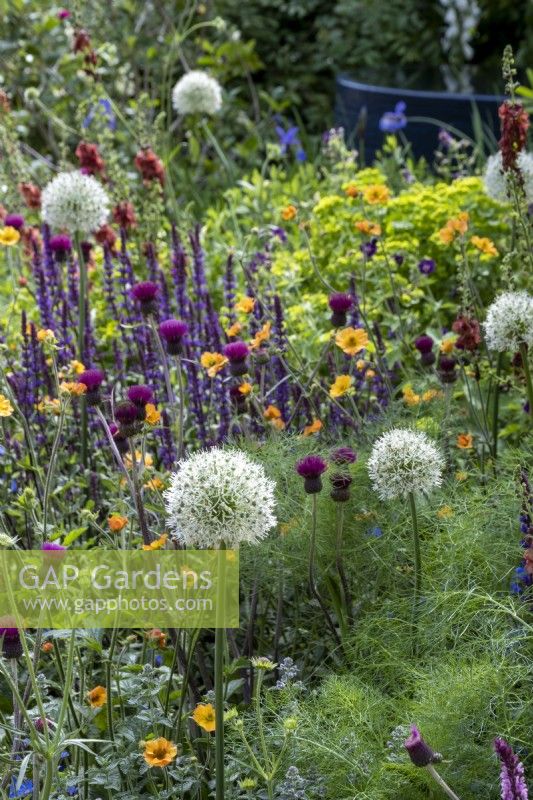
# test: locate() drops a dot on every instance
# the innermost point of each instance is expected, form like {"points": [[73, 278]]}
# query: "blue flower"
{"points": [[72, 791], [393, 121], [158, 660], [375, 532], [369, 248], [108, 112], [25, 788], [426, 266], [289, 138]]}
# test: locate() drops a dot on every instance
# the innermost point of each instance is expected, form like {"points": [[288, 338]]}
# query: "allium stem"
{"points": [[496, 406], [527, 372], [418, 561], [312, 581], [443, 785], [82, 299], [220, 637]]}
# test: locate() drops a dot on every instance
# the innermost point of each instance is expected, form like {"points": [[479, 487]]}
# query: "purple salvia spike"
{"points": [[229, 289], [512, 781], [179, 274]]}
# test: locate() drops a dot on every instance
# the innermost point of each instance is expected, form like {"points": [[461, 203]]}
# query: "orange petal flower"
{"points": [[159, 752], [97, 697], [204, 716], [465, 441]]}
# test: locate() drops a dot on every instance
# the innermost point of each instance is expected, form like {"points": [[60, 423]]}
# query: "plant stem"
{"points": [[137, 497], [312, 582], [527, 372], [82, 292], [443, 785], [418, 562], [340, 565], [51, 468], [496, 406], [219, 678]]}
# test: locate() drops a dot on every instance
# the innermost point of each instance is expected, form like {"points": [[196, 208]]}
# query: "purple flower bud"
{"points": [[424, 344], [140, 395], [52, 546], [447, 369], [92, 379], [11, 644], [119, 438], [344, 455], [399, 259], [311, 468], [426, 266], [237, 398], [340, 303], [173, 332], [420, 753], [14, 221], [145, 293], [126, 413], [60, 245], [237, 353], [340, 487]]}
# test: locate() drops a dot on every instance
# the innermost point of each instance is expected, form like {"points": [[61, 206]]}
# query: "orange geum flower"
{"points": [[73, 388], [351, 340], [245, 305], [342, 385], [159, 752], [351, 190], [97, 697], [154, 484], [204, 716], [447, 345], [47, 647], [245, 389], [289, 212], [376, 194], [234, 330], [261, 336], [213, 363], [116, 522], [484, 245], [410, 397], [46, 335], [445, 511], [465, 441], [157, 637], [314, 427], [367, 227]]}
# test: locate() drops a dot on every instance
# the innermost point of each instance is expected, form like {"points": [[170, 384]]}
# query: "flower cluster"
{"points": [[75, 202], [404, 461], [509, 321]]}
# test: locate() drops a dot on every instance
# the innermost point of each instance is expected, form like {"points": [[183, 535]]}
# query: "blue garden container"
{"points": [[356, 101]]}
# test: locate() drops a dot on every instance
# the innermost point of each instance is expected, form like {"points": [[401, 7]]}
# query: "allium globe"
{"points": [[220, 495], [75, 202], [509, 322], [494, 177], [196, 92], [403, 462]]}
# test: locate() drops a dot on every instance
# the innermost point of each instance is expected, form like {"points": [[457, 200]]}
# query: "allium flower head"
{"points": [[494, 177], [75, 202], [404, 461], [173, 332], [196, 92], [220, 495], [509, 321], [237, 353], [92, 379]]}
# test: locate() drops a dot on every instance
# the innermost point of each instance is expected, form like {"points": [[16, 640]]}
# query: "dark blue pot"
{"points": [[356, 100]]}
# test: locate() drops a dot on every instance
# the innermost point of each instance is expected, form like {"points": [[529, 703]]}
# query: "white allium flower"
{"points": [[494, 178], [75, 202], [404, 461], [509, 322], [197, 92], [220, 495]]}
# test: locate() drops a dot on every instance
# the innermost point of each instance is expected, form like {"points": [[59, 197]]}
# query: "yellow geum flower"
{"points": [[97, 697], [484, 245], [376, 194], [341, 385], [245, 305], [50, 405], [351, 340], [73, 388], [77, 367], [245, 389], [234, 330], [9, 236], [204, 716], [351, 190], [273, 415], [153, 416], [6, 409], [157, 544], [148, 459], [159, 752], [154, 484], [213, 363], [116, 522], [46, 335], [447, 345], [410, 397]]}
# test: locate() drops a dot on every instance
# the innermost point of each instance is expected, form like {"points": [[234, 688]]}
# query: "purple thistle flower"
{"points": [[393, 121], [126, 413], [340, 487], [426, 266], [237, 353], [140, 395], [310, 469], [173, 332], [60, 245], [14, 221], [92, 379], [419, 751], [340, 303], [145, 293], [52, 546], [512, 781], [424, 344], [344, 455], [11, 644]]}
